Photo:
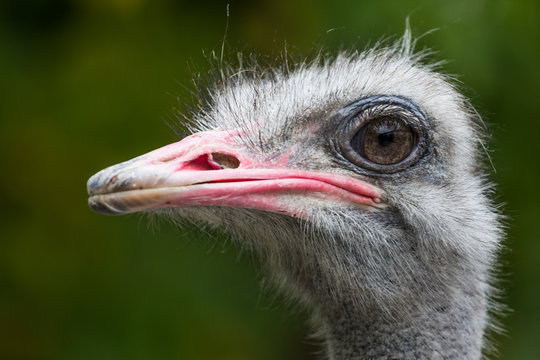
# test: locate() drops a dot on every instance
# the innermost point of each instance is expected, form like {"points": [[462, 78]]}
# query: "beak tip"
{"points": [[93, 185], [101, 207]]}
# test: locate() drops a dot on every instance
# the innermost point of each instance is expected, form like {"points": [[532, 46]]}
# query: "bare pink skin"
{"points": [[210, 169]]}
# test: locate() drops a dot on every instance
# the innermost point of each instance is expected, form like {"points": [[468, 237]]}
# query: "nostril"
{"points": [[212, 161], [224, 160]]}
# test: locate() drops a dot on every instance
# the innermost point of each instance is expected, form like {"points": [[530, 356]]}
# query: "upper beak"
{"points": [[211, 169]]}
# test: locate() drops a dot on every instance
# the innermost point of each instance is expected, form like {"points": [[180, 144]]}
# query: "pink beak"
{"points": [[210, 169]]}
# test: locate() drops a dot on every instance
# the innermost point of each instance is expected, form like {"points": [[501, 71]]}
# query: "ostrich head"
{"points": [[357, 183]]}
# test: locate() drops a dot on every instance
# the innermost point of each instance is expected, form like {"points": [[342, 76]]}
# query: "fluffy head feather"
{"points": [[440, 222]]}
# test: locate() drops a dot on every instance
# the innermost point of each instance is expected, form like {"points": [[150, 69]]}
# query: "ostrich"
{"points": [[358, 183]]}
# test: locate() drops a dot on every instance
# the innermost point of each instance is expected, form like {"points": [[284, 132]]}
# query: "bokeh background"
{"points": [[88, 83]]}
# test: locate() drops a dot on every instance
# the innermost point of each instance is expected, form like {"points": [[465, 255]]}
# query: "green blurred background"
{"points": [[85, 84]]}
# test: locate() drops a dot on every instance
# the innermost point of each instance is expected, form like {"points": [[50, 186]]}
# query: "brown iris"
{"points": [[384, 141]]}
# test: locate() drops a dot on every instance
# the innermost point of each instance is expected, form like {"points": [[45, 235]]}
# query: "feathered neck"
{"points": [[448, 330]]}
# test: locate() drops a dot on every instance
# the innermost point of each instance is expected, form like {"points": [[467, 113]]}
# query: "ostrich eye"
{"points": [[383, 134], [384, 141]]}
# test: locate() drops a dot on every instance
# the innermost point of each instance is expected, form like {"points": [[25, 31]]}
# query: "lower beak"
{"points": [[211, 169]]}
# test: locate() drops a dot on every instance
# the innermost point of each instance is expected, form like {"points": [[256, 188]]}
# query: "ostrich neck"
{"points": [[447, 331]]}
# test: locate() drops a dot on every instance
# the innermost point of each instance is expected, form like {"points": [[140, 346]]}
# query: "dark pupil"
{"points": [[384, 141]]}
